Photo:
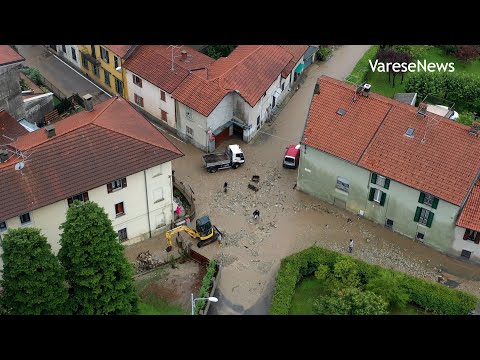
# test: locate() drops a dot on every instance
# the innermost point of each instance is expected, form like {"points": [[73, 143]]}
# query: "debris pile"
{"points": [[145, 261]]}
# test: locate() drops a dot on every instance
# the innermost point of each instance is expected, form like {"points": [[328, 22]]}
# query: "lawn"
{"points": [[155, 306], [379, 81]]}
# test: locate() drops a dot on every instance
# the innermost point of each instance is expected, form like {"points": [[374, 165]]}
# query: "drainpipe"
{"points": [[148, 208]]}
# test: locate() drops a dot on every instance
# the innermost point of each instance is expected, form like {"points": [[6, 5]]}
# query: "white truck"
{"points": [[232, 158]]}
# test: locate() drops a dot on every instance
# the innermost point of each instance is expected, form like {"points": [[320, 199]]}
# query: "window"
{"points": [[466, 254], [389, 223], [409, 132], [380, 180], [137, 81], [117, 185], [25, 218], [342, 184], [283, 86], [64, 49], [162, 95], [118, 87], [96, 72], [104, 55], [188, 113], [74, 54], [115, 62], [107, 77], [138, 100], [428, 200], [472, 235], [164, 115], [258, 122], [119, 209], [3, 226], [84, 62], [158, 195], [189, 131], [377, 196], [423, 216], [122, 235], [420, 236], [80, 197], [158, 171]]}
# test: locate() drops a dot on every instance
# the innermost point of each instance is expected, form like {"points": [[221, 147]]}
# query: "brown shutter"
{"points": [[477, 238], [109, 187], [466, 235], [124, 182], [85, 196]]}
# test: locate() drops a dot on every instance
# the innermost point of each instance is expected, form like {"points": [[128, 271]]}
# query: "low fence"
{"points": [[53, 88]]}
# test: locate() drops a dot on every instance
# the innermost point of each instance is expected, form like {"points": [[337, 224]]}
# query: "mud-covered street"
{"points": [[290, 220]]}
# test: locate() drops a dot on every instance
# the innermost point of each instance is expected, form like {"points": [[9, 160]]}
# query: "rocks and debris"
{"points": [[146, 261]]}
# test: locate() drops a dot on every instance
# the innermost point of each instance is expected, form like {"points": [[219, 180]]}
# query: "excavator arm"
{"points": [[176, 230]]}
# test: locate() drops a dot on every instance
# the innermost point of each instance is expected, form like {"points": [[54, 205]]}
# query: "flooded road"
{"points": [[290, 220]]}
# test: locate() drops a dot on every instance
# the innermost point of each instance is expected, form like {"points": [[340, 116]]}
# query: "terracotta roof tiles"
{"points": [[470, 216], [9, 56]]}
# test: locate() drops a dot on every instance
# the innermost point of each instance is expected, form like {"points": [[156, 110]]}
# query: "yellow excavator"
{"points": [[204, 231]]}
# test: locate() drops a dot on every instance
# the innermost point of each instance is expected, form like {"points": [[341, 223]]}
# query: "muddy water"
{"points": [[290, 220]]}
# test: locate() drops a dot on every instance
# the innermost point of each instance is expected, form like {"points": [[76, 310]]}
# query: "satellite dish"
{"points": [[20, 165]]}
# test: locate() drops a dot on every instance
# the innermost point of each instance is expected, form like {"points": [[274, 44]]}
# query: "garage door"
{"points": [[224, 135]]}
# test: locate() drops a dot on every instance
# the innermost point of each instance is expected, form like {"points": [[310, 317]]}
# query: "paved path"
{"points": [[67, 80]]}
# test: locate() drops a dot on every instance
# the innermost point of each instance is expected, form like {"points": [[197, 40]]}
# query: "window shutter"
{"points": [[382, 199], [387, 183], [109, 187], [85, 196], [124, 182], [421, 198], [467, 233], [417, 214], [435, 203], [477, 238], [372, 192], [374, 179], [430, 219], [70, 201]]}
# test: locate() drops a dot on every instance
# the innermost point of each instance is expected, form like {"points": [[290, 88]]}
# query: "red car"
{"points": [[292, 157]]}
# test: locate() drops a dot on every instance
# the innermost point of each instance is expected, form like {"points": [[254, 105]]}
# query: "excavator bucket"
{"points": [[169, 248]]}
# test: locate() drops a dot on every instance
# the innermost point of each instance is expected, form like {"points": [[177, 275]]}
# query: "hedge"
{"points": [[432, 297], [362, 68], [206, 286]]}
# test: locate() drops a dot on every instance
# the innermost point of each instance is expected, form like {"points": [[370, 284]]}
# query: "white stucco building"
{"points": [[69, 53], [111, 155]]}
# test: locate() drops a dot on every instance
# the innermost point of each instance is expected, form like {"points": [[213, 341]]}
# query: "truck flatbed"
{"points": [[214, 158]]}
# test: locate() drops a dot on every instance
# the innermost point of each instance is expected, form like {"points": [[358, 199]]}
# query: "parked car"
{"points": [[453, 116], [292, 157]]}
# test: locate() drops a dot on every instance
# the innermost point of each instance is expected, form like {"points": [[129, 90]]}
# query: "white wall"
{"points": [[68, 55], [222, 114], [152, 102], [134, 197], [459, 244], [197, 122]]}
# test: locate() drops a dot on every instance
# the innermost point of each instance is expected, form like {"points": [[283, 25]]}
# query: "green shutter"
{"points": [[387, 183], [435, 203], [382, 199], [430, 219], [421, 198], [417, 213], [372, 192], [374, 179]]}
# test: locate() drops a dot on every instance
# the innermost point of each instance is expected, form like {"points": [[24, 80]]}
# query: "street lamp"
{"points": [[211, 298]]}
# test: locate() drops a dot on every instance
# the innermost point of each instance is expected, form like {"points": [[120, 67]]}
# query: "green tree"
{"points": [[33, 279], [218, 51], [322, 272], [466, 118], [389, 285], [351, 301], [345, 272], [99, 274]]}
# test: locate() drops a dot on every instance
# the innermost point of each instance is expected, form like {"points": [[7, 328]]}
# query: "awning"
{"points": [[277, 93], [221, 128], [299, 68], [310, 51]]}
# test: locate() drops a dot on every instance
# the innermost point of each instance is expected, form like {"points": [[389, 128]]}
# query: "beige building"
{"points": [[110, 155]]}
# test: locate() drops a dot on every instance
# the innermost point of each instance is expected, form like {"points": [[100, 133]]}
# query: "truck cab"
{"points": [[232, 158], [292, 157], [235, 154]]}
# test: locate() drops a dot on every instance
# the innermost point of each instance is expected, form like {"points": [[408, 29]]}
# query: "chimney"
{"points": [[317, 89], [87, 99], [184, 55], [50, 129], [422, 109], [366, 89], [3, 156]]}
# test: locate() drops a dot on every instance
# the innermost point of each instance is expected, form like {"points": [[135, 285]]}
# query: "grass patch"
{"points": [[56, 101], [155, 306], [306, 292]]}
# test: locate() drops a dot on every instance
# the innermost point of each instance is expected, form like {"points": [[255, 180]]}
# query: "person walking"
{"points": [[256, 214], [225, 186], [350, 246]]}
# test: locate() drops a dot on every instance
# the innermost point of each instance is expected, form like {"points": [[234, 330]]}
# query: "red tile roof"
{"points": [[89, 150], [297, 52], [249, 69], [470, 216], [9, 56], [153, 63], [119, 50], [372, 135], [9, 128]]}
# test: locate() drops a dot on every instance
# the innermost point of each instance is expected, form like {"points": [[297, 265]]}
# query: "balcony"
{"points": [[89, 57]]}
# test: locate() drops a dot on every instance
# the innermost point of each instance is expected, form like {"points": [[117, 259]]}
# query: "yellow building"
{"points": [[103, 64]]}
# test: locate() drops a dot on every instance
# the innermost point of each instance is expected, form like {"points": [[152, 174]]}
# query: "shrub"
{"points": [[449, 49], [345, 272], [218, 51], [466, 118], [323, 53], [351, 301], [390, 286], [467, 53], [322, 272], [23, 85], [362, 69], [206, 285], [34, 75]]}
